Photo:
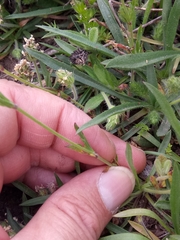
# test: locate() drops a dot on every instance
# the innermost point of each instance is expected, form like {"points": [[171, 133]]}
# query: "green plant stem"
{"points": [[37, 72], [73, 89], [175, 102], [167, 217], [2, 69], [155, 191], [107, 100], [75, 146]]}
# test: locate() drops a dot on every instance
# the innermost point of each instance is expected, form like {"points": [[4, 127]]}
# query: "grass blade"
{"points": [[172, 25], [78, 75], [124, 236], [14, 225], [40, 12], [80, 39], [110, 20], [131, 165], [35, 201], [25, 189], [115, 110], [142, 212], [165, 108], [175, 198], [133, 61]]}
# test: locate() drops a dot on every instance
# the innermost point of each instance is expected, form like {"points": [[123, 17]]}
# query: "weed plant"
{"points": [[120, 64]]}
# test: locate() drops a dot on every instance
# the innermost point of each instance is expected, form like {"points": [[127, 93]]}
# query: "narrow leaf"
{"points": [[115, 110], [35, 201], [133, 61], [131, 165], [165, 108], [165, 142], [142, 212], [14, 225], [110, 20], [24, 188], [83, 138], [93, 103], [58, 180], [141, 229], [175, 197], [81, 39], [125, 236], [172, 25], [78, 75], [40, 12]]}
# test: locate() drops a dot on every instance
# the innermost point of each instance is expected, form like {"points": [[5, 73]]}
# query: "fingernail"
{"points": [[115, 186]]}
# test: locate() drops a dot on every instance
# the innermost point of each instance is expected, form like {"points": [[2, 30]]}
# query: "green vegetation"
{"points": [[123, 54]]}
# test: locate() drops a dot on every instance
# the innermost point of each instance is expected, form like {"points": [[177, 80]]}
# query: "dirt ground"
{"points": [[8, 63]]}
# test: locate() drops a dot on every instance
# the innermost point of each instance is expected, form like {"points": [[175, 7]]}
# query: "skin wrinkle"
{"points": [[72, 212]]}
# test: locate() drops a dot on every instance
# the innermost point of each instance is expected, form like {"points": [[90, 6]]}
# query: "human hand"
{"points": [[83, 206]]}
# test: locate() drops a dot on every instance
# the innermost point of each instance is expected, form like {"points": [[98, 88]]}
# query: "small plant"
{"points": [[18, 19], [121, 62]]}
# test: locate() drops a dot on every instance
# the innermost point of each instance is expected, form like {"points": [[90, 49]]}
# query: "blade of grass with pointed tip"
{"points": [[175, 197], [165, 142], [142, 212], [40, 12], [115, 110], [78, 75], [81, 39], [35, 201], [83, 138], [14, 225], [58, 180], [124, 236], [165, 108], [131, 165], [172, 25], [110, 20], [133, 61], [5, 102], [24, 188]]}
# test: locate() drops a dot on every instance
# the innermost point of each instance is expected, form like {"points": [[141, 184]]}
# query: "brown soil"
{"points": [[8, 63], [10, 197]]}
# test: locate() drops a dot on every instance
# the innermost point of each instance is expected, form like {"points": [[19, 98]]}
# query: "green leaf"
{"points": [[142, 212], [35, 201], [68, 48], [174, 237], [124, 236], [80, 39], [24, 188], [115, 110], [5, 102], [78, 75], [131, 165], [104, 76], [58, 180], [115, 228], [133, 61], [175, 197], [93, 34], [83, 138], [165, 108], [165, 142], [38, 13], [93, 102], [110, 20], [172, 25], [148, 11], [14, 225]]}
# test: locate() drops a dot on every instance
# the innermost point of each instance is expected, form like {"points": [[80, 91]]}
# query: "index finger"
{"points": [[54, 112]]}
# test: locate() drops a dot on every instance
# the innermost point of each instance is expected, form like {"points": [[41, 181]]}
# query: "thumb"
{"points": [[82, 207]]}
